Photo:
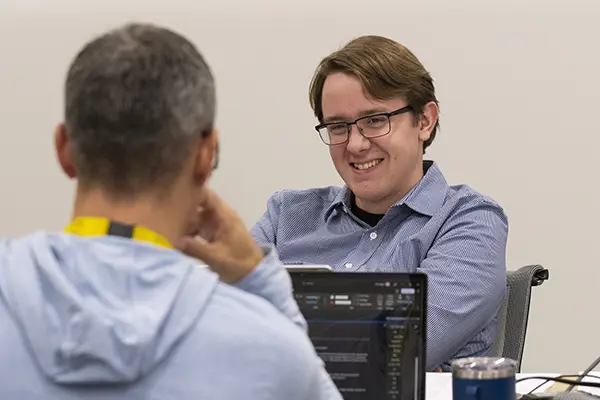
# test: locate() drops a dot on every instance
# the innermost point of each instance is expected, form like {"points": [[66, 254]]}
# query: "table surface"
{"points": [[439, 385]]}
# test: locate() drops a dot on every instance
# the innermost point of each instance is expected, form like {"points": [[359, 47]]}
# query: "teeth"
{"points": [[367, 165]]}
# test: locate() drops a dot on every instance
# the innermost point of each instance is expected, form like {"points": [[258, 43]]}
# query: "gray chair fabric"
{"points": [[514, 314]]}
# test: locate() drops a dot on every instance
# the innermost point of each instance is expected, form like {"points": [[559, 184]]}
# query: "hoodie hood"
{"points": [[103, 309]]}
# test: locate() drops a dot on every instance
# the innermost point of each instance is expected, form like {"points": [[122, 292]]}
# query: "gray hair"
{"points": [[136, 97]]}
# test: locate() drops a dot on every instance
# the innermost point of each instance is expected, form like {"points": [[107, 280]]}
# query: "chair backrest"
{"points": [[512, 322]]}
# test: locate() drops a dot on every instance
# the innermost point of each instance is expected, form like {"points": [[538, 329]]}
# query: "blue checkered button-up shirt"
{"points": [[452, 233]]}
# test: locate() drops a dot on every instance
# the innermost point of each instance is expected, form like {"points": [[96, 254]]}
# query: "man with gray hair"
{"points": [[112, 308]]}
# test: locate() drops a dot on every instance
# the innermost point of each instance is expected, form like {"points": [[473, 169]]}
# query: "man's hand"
{"points": [[221, 240]]}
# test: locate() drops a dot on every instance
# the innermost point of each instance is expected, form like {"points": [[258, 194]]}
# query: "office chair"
{"points": [[512, 323]]}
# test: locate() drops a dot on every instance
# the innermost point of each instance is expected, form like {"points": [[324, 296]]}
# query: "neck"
{"points": [[167, 217]]}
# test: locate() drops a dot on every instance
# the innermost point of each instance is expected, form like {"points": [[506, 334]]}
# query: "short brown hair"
{"points": [[386, 70]]}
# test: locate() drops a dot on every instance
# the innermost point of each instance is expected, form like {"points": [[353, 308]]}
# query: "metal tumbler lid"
{"points": [[484, 368]]}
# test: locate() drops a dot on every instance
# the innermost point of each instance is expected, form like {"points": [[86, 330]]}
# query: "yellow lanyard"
{"points": [[95, 226]]}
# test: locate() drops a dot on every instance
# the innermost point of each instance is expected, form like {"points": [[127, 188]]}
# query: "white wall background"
{"points": [[519, 86]]}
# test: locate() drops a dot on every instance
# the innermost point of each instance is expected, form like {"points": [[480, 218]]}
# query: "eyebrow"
{"points": [[361, 114]]}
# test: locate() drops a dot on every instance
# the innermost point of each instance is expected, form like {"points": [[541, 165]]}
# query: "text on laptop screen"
{"points": [[369, 329]]}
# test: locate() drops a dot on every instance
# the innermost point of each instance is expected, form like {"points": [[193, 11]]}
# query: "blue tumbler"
{"points": [[485, 378]]}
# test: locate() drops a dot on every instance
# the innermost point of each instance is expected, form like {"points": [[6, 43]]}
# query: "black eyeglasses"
{"points": [[371, 126]]}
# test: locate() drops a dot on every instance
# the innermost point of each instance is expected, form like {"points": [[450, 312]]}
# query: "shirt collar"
{"points": [[427, 197], [342, 199]]}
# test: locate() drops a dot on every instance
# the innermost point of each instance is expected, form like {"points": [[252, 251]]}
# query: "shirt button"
{"points": [[348, 265], [373, 235]]}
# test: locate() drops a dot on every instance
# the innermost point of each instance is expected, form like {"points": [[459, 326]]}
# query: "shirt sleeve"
{"points": [[271, 281], [322, 387], [265, 230], [466, 269]]}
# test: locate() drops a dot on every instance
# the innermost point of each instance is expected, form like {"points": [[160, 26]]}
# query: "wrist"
{"points": [[249, 265]]}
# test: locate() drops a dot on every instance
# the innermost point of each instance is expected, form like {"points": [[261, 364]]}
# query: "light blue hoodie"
{"points": [[114, 318]]}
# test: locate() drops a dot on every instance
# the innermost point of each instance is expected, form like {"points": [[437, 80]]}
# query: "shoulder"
{"points": [[469, 216], [314, 196], [433, 196], [22, 246], [248, 337], [463, 199]]}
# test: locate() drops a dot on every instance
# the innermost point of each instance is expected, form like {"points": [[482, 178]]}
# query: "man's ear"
{"points": [[206, 152], [427, 120], [64, 151]]}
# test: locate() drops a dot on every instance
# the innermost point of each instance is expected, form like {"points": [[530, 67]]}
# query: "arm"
{"points": [[264, 231], [322, 386], [227, 247], [232, 252], [466, 268], [272, 282]]}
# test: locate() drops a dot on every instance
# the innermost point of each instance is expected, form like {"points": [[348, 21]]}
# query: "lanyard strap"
{"points": [[95, 226]]}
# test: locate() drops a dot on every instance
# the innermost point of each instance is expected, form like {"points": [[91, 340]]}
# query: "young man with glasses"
{"points": [[378, 113]]}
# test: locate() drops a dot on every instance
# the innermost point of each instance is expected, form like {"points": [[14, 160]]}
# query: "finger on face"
{"points": [[196, 247], [206, 234], [193, 223], [217, 208], [210, 202], [209, 198], [208, 223]]}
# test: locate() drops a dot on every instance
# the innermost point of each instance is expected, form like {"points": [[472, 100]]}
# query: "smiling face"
{"points": [[379, 171]]}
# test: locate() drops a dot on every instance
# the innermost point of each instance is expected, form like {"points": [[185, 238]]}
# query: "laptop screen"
{"points": [[369, 328]]}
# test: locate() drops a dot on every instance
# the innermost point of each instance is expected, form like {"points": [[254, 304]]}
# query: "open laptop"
{"points": [[369, 328]]}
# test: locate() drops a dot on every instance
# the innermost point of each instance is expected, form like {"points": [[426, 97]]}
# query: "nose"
{"points": [[356, 141]]}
